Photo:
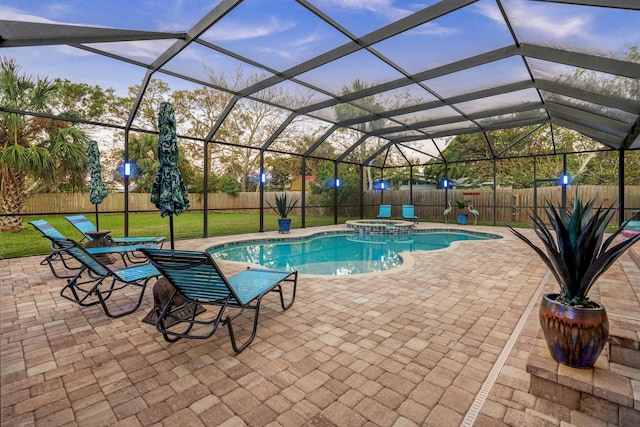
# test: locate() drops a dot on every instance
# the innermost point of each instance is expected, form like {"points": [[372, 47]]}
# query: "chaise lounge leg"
{"points": [[160, 326], [293, 296], [123, 313], [173, 336], [71, 287], [228, 320], [51, 258]]}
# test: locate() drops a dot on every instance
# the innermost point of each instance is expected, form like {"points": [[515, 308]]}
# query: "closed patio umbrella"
{"points": [[168, 193], [97, 189]]}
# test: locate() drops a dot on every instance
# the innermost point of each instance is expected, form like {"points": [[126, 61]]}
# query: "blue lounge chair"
{"points": [[80, 289], [58, 255], [631, 228], [85, 227], [198, 280], [408, 213], [385, 212]]}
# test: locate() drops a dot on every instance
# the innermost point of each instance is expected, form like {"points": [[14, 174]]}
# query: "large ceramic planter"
{"points": [[462, 219], [575, 336], [284, 225]]}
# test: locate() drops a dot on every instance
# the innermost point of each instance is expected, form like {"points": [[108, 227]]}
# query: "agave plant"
{"points": [[462, 203], [283, 206], [577, 254]]}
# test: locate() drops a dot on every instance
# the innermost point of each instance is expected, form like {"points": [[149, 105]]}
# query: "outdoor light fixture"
{"points": [[263, 178], [379, 185], [337, 182], [127, 169], [565, 179], [445, 183]]}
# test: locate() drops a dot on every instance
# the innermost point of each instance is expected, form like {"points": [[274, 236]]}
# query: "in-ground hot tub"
{"points": [[381, 227]]}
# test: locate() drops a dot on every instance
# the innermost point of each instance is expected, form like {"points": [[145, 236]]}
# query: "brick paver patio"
{"points": [[413, 346]]}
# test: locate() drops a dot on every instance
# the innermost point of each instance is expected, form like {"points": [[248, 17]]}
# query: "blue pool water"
{"points": [[339, 253]]}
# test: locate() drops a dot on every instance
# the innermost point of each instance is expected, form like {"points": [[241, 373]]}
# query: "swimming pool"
{"points": [[340, 253]]}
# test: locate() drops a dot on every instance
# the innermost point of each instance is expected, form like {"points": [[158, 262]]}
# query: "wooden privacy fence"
{"points": [[430, 204], [512, 205], [39, 203]]}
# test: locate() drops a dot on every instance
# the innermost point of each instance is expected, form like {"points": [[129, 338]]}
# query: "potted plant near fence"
{"points": [[283, 207], [462, 217], [575, 327]]}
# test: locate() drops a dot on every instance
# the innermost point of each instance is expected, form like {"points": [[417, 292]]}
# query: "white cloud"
{"points": [[293, 48], [285, 54], [434, 29], [539, 19], [13, 14], [383, 8], [149, 49], [227, 30], [306, 40]]}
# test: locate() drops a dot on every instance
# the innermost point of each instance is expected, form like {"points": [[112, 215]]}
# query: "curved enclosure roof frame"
{"points": [[407, 77]]}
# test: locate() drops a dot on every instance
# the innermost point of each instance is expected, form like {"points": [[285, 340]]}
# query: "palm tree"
{"points": [[35, 152], [143, 153]]}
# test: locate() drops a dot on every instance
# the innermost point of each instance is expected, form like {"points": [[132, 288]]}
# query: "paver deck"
{"points": [[441, 341]]}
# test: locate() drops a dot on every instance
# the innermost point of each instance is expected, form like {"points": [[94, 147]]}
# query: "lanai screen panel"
{"points": [[401, 134], [449, 129], [361, 153], [335, 144], [299, 135], [277, 34], [424, 117], [486, 76], [141, 51], [161, 88], [360, 18], [449, 38], [592, 107], [598, 82], [341, 76], [416, 153], [396, 99], [340, 112], [395, 158], [601, 123], [425, 149], [210, 66], [602, 31], [294, 95], [507, 142], [101, 71], [250, 123], [504, 120], [525, 97]]}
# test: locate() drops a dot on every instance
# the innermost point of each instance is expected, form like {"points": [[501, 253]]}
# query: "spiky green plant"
{"points": [[462, 203], [575, 252], [283, 205]]}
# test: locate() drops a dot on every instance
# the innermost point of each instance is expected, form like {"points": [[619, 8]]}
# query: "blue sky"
{"points": [[281, 33]]}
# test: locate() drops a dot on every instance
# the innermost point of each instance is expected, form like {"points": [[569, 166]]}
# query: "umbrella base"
{"points": [[162, 291]]}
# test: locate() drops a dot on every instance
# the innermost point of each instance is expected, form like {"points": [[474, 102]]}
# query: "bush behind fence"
{"points": [[511, 205]]}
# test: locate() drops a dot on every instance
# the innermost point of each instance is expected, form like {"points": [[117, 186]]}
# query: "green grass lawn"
{"points": [[186, 226]]}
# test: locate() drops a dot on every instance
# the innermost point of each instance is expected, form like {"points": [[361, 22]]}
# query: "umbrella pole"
{"points": [[171, 230], [97, 223]]}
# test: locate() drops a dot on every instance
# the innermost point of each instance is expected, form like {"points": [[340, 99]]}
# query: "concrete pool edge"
{"points": [[408, 261]]}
